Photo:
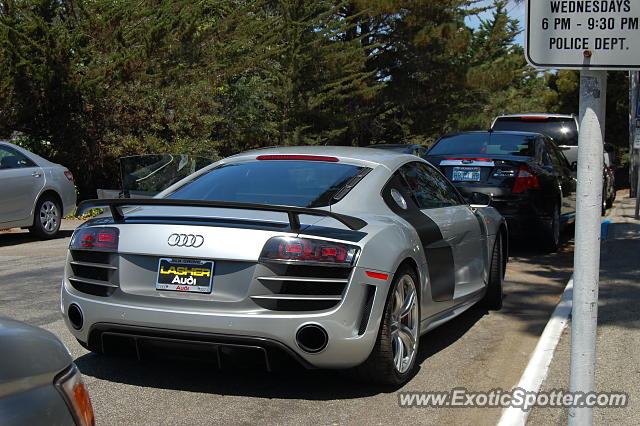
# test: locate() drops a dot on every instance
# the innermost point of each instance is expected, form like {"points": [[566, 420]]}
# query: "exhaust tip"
{"points": [[312, 338], [75, 316]]}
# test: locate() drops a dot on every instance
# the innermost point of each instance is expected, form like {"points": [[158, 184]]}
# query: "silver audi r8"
{"points": [[339, 257]]}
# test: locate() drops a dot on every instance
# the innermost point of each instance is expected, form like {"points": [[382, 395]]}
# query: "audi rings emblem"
{"points": [[185, 240]]}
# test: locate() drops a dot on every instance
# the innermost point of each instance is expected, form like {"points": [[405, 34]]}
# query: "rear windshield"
{"points": [[485, 143], [280, 182], [563, 130]]}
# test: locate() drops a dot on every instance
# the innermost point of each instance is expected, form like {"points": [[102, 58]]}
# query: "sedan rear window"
{"points": [[290, 183], [485, 143], [563, 131]]}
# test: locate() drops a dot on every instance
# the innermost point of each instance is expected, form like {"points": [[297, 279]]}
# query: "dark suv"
{"points": [[563, 129]]}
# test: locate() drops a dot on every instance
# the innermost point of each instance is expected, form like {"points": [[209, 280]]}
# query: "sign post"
{"points": [[593, 36]]}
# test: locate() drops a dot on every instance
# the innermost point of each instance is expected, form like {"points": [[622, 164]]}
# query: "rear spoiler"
{"points": [[115, 206]]}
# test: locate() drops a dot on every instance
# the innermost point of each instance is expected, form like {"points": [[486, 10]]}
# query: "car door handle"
{"points": [[36, 174]]}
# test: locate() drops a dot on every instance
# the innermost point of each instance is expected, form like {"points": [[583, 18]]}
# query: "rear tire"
{"points": [[611, 199], [46, 218], [551, 232], [394, 356], [492, 299]]}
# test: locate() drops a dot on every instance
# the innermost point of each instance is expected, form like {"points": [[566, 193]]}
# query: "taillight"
{"points": [[75, 394], [69, 175], [103, 238], [291, 249], [525, 179]]}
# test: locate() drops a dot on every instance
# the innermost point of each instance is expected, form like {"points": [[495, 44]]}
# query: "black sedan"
{"points": [[530, 180]]}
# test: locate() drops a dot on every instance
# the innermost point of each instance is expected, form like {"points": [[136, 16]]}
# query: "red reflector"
{"points": [[298, 157], [69, 175], [376, 275]]}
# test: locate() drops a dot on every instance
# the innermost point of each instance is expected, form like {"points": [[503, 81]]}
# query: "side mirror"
{"points": [[574, 166], [478, 199]]}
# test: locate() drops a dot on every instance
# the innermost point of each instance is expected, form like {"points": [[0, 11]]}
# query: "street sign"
{"points": [[587, 34]]}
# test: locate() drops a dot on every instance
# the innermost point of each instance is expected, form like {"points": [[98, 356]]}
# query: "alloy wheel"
{"points": [[404, 324], [49, 216]]}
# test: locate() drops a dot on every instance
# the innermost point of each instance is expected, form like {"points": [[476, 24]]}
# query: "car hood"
{"points": [[29, 352]]}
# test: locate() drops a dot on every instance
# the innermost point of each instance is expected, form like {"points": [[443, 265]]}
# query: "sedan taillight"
{"points": [[102, 239], [525, 179], [291, 249]]}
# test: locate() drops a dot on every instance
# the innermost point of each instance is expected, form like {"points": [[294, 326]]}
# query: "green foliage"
{"points": [[87, 81]]}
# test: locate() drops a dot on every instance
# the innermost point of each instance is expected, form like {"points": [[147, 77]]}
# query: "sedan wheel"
{"points": [[393, 358], [47, 218], [551, 235]]}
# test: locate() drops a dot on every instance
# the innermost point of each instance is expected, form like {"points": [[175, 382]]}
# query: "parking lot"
{"points": [[479, 351]]}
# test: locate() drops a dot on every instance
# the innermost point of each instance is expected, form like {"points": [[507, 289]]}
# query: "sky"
{"points": [[516, 11]]}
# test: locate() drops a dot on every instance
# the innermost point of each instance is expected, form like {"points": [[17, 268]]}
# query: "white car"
{"points": [[34, 193], [338, 257]]}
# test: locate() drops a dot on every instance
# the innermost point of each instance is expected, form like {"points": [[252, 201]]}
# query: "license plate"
{"points": [[188, 275], [466, 174]]}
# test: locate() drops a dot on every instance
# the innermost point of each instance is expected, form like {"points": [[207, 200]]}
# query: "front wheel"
{"points": [[393, 358], [47, 218]]}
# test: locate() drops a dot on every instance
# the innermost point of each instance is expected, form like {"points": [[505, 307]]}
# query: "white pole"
{"points": [[593, 89], [634, 170]]}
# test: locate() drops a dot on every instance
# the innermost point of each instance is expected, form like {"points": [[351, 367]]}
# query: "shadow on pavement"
{"points": [[619, 292], [535, 282], [8, 239]]}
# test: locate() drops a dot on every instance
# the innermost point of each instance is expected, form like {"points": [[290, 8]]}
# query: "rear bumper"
{"points": [[351, 327], [145, 342]]}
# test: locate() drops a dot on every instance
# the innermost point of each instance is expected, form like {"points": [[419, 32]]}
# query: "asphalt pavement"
{"points": [[618, 336], [479, 350]]}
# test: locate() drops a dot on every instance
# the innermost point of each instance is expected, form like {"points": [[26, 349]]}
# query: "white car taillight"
{"points": [[69, 175], [306, 250], [102, 239], [75, 394]]}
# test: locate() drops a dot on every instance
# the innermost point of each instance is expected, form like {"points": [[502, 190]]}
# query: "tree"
{"points": [[499, 79]]}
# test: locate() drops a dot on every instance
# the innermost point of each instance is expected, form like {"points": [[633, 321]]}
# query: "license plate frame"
{"points": [[465, 174], [195, 275]]}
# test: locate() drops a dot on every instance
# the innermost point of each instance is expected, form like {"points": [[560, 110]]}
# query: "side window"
{"points": [[545, 156], [10, 159], [430, 190]]}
